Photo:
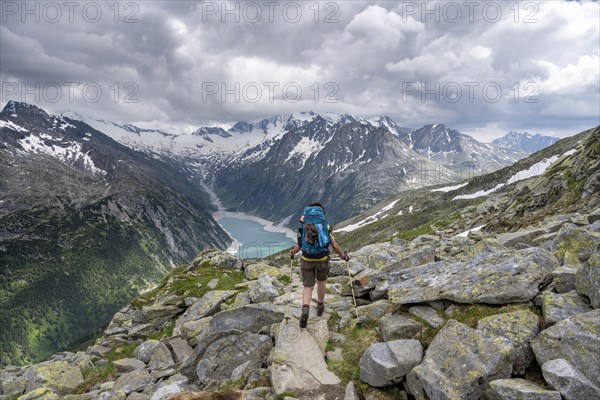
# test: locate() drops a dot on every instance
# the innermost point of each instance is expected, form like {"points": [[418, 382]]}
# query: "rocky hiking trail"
{"points": [[479, 317]]}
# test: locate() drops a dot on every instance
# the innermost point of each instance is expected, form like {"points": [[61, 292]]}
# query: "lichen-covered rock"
{"points": [[40, 394], [133, 381], [588, 280], [206, 306], [556, 307], [459, 364], [513, 389], [217, 258], [180, 349], [507, 276], [262, 290], [575, 339], [59, 376], [144, 351], [363, 283], [427, 314], [564, 279], [519, 327], [232, 358], [248, 318], [398, 326], [572, 384], [11, 384], [253, 271], [577, 240], [375, 310], [384, 364]]}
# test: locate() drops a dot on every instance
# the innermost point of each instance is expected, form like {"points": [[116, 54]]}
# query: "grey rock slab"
{"points": [[133, 381], [251, 318], [161, 357], [575, 339], [427, 314], [459, 364], [164, 392], [128, 364], [262, 290], [59, 376], [519, 389], [564, 279], [398, 326], [350, 393], [231, 358], [180, 348], [207, 306], [144, 351], [298, 370], [556, 307], [587, 280], [384, 364], [572, 384], [499, 277], [519, 327]]}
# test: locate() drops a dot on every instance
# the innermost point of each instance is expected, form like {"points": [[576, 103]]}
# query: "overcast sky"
{"points": [[481, 67]]}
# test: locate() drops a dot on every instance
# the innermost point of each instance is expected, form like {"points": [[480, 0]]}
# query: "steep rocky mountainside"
{"points": [[559, 179], [437, 318], [524, 142], [85, 223]]}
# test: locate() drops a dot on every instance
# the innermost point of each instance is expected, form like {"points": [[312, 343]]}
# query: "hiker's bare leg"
{"points": [[321, 288], [307, 295]]}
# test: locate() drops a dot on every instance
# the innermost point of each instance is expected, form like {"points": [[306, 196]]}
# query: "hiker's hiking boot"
{"points": [[304, 317], [320, 309]]}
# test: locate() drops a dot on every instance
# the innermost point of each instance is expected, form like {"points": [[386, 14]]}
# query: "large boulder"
{"points": [[574, 339], [232, 358], [587, 280], [206, 306], [572, 384], [144, 351], [12, 385], [513, 389], [459, 364], [384, 364], [518, 327], [250, 318], [398, 326], [564, 279], [507, 276], [556, 307], [375, 310], [59, 376], [161, 357]]}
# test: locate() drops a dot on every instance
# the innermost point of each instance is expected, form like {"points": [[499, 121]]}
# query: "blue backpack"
{"points": [[315, 233]]}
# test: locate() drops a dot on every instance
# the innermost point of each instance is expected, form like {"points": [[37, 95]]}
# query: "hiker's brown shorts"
{"points": [[312, 269]]}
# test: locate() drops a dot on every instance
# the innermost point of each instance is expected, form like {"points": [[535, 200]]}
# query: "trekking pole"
{"points": [[351, 287], [287, 307]]}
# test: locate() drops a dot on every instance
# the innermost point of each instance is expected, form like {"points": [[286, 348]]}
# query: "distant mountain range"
{"points": [[274, 166], [85, 223], [524, 142]]}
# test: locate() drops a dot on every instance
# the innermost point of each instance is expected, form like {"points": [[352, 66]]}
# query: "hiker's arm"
{"points": [[337, 248], [295, 250]]}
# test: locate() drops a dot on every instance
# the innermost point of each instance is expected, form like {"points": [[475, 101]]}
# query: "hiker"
{"points": [[314, 237]]}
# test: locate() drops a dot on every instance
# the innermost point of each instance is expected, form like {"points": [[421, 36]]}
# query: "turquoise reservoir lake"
{"points": [[253, 240]]}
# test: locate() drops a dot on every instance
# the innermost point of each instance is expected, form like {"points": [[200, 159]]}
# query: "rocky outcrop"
{"points": [[507, 276], [572, 384], [459, 364], [575, 340]]}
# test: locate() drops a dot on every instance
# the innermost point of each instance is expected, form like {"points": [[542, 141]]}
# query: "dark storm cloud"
{"points": [[372, 56]]}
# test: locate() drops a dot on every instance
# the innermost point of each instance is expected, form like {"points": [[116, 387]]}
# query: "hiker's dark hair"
{"points": [[317, 204]]}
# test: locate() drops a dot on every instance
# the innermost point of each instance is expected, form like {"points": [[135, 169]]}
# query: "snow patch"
{"points": [[12, 125], [450, 188], [466, 233], [370, 219]]}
